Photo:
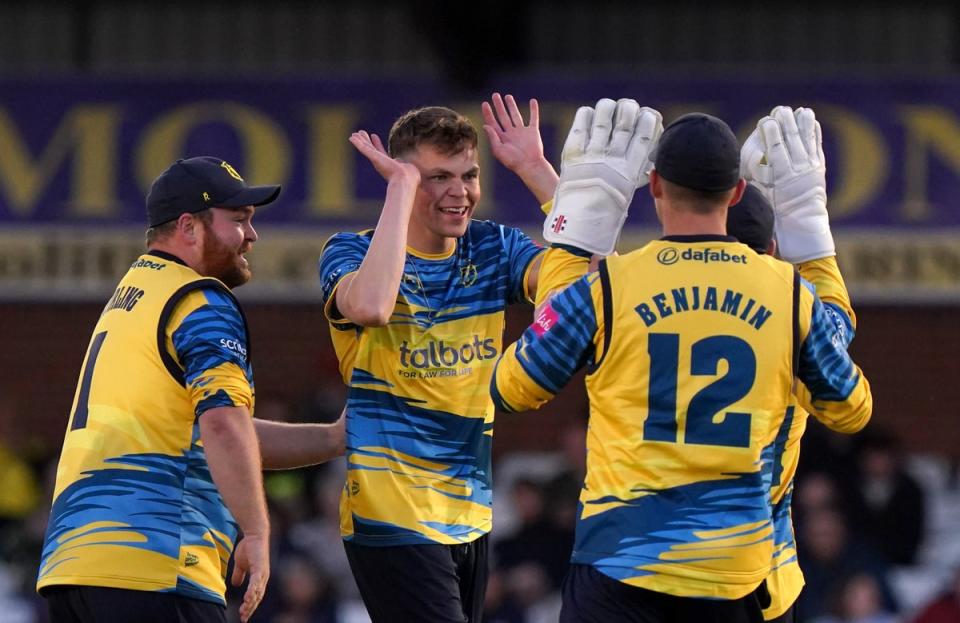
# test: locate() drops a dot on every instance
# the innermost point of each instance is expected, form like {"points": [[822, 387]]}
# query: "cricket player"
{"points": [[160, 471], [690, 367], [416, 312]]}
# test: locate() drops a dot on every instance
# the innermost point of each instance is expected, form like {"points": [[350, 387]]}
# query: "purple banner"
{"points": [[85, 151]]}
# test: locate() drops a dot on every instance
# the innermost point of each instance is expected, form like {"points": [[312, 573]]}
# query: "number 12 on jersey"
{"points": [[733, 430]]}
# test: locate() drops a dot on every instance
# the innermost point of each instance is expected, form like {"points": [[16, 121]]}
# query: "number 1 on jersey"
{"points": [[83, 398]]}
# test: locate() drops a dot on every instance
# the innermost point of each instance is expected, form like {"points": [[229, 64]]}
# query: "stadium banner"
{"points": [[63, 263], [78, 155]]}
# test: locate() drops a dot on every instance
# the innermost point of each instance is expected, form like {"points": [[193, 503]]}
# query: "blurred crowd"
{"points": [[876, 531]]}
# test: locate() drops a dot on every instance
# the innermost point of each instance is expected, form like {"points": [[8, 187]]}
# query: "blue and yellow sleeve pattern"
{"points": [[550, 351], [838, 391], [520, 251], [342, 254], [211, 344]]}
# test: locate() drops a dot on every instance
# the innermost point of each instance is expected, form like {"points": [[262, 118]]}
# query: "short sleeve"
{"points": [[519, 251], [209, 338], [342, 254]]}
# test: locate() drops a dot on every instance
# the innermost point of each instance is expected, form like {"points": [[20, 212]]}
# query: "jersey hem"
{"points": [[126, 583]]}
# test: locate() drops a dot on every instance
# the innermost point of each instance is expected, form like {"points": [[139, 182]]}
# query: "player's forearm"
{"points": [[839, 394], [540, 178], [558, 269], [511, 387], [286, 446], [848, 415], [551, 350], [367, 298], [231, 449], [824, 274]]}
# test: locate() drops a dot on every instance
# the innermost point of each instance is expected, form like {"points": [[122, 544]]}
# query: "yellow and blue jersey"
{"points": [[786, 577], [690, 374], [419, 414], [134, 505]]}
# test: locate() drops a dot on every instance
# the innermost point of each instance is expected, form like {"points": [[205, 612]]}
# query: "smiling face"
{"points": [[448, 193], [227, 237]]}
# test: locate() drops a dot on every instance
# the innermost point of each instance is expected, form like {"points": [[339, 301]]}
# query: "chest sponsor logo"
{"points": [[443, 354]]}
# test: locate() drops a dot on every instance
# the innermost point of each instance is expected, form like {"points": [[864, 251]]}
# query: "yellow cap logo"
{"points": [[233, 172], [206, 197]]}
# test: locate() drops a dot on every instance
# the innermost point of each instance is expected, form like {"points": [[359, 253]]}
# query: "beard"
{"points": [[222, 262]]}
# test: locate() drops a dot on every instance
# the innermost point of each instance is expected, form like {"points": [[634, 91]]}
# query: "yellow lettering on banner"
{"points": [[331, 160], [928, 129], [63, 263], [88, 133], [863, 164], [266, 152]]}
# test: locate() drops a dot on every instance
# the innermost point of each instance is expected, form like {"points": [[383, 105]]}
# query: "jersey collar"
{"points": [[699, 238], [167, 256]]}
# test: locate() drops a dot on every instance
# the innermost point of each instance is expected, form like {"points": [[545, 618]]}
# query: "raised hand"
{"points": [[517, 145], [372, 147], [784, 158], [606, 157], [512, 142]]}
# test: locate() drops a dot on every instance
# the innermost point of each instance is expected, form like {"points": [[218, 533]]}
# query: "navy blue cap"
{"points": [[750, 220], [700, 152], [194, 184]]}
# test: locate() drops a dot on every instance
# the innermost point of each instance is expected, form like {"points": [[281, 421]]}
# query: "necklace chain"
{"points": [[421, 286]]}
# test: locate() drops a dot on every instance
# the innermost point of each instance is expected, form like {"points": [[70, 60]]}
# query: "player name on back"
{"points": [[706, 298]]}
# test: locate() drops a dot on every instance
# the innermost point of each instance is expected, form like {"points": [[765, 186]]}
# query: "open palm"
{"points": [[512, 142], [371, 146]]}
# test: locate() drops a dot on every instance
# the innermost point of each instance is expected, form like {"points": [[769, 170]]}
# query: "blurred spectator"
{"points": [[825, 451], [499, 605], [537, 540], [858, 600], [828, 556], [573, 448], [946, 608], [529, 588], [889, 506], [19, 489], [20, 546], [319, 534], [818, 490], [306, 593], [525, 542]]}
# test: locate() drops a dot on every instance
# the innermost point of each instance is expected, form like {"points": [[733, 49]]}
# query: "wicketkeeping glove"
{"points": [[605, 159], [784, 158]]}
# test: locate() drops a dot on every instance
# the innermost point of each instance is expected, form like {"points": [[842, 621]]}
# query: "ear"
{"points": [[656, 187], [738, 192], [188, 226], [772, 248]]}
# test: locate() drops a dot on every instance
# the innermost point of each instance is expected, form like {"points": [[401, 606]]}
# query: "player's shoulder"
{"points": [[209, 293], [481, 231], [348, 239]]}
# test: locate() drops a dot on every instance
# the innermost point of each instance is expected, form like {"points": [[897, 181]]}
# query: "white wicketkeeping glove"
{"points": [[605, 159], [784, 158]]}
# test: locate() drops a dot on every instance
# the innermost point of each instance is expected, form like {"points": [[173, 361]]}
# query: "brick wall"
{"points": [[910, 354]]}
